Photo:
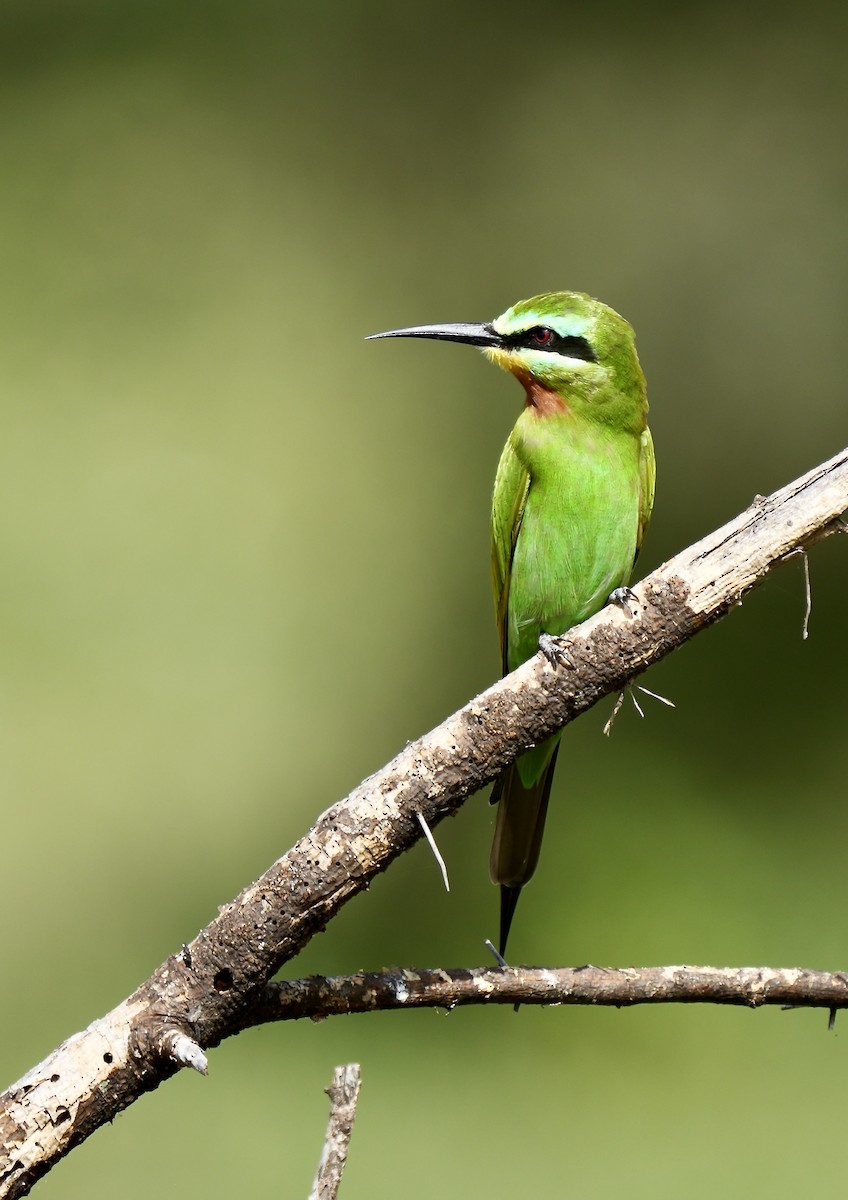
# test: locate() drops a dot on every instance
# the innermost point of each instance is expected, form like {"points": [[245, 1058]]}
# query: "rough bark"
{"points": [[344, 1094], [201, 994], [614, 987]]}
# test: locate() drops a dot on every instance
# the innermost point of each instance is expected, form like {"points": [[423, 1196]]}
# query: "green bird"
{"points": [[573, 496]]}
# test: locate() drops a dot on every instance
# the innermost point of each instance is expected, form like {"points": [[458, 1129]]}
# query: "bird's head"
{"points": [[568, 350]]}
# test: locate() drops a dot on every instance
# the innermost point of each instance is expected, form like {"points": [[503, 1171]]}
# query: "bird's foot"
{"points": [[555, 650], [626, 598]]}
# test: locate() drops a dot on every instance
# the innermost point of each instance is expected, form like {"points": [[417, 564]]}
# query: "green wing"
{"points": [[647, 480], [512, 484]]}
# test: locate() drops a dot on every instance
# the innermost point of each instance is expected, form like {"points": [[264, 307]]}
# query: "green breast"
{"points": [[578, 534]]}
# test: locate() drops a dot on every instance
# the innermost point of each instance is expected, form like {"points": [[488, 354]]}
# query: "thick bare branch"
{"points": [[616, 987], [200, 995]]}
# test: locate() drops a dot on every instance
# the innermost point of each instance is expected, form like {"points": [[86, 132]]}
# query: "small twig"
{"points": [[801, 552], [499, 958], [656, 696], [805, 629], [184, 1051], [432, 842], [632, 694], [343, 1093], [616, 709]]}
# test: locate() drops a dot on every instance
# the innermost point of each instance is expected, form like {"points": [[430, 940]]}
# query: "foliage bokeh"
{"points": [[245, 558]]}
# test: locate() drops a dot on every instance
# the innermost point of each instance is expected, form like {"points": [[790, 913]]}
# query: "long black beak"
{"points": [[472, 335]]}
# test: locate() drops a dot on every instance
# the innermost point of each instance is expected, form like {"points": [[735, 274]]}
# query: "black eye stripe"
{"points": [[542, 337]]}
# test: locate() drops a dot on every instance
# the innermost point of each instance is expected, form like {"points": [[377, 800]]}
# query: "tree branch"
{"points": [[615, 987], [344, 1094], [200, 995]]}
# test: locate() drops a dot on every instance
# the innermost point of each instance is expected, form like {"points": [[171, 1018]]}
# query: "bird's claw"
{"points": [[555, 651], [626, 598]]}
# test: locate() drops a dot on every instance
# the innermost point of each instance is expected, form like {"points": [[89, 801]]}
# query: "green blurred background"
{"points": [[244, 559]]}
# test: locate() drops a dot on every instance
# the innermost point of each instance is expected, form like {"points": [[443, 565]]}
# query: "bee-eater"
{"points": [[573, 495]]}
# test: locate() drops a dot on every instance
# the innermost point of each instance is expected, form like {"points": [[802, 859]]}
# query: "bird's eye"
{"points": [[542, 338]]}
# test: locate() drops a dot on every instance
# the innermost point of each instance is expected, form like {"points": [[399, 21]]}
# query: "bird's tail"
{"points": [[518, 835]]}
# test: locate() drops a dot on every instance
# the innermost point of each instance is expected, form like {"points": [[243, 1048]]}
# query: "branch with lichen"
{"points": [[612, 987], [218, 984]]}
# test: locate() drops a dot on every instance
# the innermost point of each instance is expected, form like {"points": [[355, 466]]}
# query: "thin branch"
{"points": [[656, 696], [204, 990], [808, 596], [344, 1094], [801, 552], [616, 709], [617, 987]]}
